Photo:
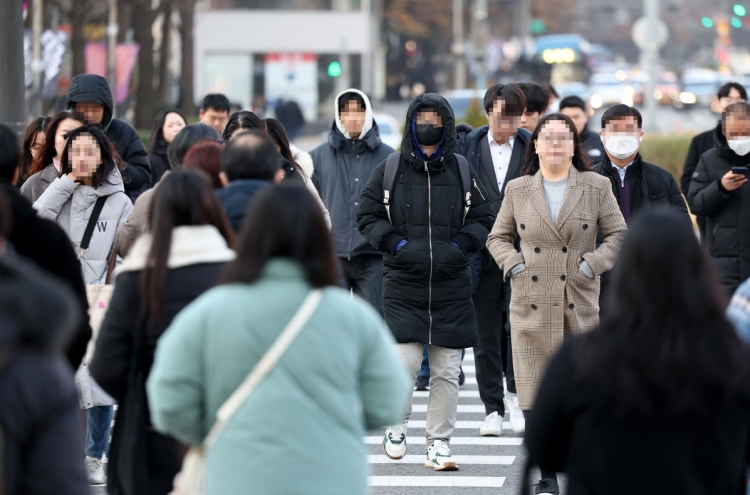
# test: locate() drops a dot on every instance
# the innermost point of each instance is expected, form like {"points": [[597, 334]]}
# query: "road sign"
{"points": [[650, 36]]}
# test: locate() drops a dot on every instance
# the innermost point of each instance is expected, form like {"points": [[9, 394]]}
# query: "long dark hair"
{"points": [[284, 221], [242, 119], [110, 158], [157, 131], [580, 162], [663, 343], [37, 125], [47, 152], [183, 198], [276, 131]]}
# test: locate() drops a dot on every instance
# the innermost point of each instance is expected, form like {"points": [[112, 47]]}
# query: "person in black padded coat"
{"points": [[166, 126]]}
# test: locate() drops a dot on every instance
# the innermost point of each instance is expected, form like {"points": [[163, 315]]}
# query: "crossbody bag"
{"points": [[192, 478]]}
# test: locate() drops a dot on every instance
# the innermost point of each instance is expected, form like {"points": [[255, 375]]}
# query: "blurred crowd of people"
{"points": [[230, 291]]}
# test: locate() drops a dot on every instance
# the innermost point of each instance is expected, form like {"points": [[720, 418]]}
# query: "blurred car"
{"points": [[609, 88], [460, 100], [667, 90], [699, 87], [390, 129]]}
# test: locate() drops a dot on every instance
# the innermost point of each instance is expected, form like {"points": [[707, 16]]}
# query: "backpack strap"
{"points": [[465, 174], [98, 207], [389, 179]]}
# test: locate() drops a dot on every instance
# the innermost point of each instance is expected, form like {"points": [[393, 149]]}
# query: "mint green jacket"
{"points": [[301, 430]]}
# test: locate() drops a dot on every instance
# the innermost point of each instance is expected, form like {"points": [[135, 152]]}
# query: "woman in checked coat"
{"points": [[556, 207]]}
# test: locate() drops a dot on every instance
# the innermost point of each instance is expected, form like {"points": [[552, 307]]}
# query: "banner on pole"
{"points": [[126, 55]]}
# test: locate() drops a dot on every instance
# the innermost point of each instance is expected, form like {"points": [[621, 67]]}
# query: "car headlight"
{"points": [[596, 101], [688, 98]]}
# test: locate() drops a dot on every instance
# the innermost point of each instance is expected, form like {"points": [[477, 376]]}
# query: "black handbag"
{"points": [[127, 472]]}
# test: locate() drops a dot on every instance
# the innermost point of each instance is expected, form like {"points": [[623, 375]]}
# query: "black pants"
{"points": [[364, 276], [493, 353]]}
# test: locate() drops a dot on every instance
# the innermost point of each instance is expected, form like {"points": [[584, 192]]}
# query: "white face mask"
{"points": [[622, 146], [741, 146]]}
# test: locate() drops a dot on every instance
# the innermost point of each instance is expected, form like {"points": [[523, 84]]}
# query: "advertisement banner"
{"points": [[126, 55], [293, 77]]}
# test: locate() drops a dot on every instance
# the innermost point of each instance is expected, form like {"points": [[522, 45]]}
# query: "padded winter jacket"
{"points": [[71, 205], [427, 284], [727, 213]]}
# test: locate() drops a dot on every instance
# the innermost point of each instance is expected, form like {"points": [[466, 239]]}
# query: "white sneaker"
{"points": [[439, 457], [95, 471], [517, 419], [394, 442], [493, 426]]}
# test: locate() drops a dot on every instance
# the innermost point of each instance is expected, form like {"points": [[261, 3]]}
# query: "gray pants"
{"points": [[445, 367]]}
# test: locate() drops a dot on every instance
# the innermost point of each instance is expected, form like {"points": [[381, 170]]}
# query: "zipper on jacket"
{"points": [[429, 231], [478, 190]]}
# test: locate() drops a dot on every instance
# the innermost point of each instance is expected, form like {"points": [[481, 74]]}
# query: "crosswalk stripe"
{"points": [[469, 369], [455, 440], [436, 481], [462, 408], [460, 425], [499, 460], [465, 394]]}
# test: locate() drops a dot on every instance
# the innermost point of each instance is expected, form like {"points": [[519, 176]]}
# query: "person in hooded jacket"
{"points": [[427, 238], [497, 152], [343, 166], [40, 426], [90, 95], [720, 195], [43, 242], [89, 171], [182, 255], [166, 126], [638, 186]]}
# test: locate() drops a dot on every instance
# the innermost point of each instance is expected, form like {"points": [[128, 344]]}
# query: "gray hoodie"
{"points": [[71, 205]]}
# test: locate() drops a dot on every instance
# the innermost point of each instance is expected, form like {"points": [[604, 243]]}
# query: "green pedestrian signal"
{"points": [[736, 23], [707, 22], [740, 10], [334, 69]]}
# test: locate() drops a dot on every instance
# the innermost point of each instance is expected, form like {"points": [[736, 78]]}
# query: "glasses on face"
{"points": [[556, 137]]}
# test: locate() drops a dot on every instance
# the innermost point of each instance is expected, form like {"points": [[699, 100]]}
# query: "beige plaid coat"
{"points": [[552, 298]]}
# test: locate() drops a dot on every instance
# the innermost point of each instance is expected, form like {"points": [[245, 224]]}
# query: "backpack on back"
{"points": [[391, 170]]}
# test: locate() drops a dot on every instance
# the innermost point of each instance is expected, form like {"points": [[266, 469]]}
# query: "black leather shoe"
{"points": [[423, 383]]}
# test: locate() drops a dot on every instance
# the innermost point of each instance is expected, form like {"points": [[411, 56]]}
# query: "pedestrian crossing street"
{"points": [[488, 465]]}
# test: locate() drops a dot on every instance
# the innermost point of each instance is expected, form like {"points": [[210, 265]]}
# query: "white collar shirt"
{"points": [[622, 171], [500, 154]]}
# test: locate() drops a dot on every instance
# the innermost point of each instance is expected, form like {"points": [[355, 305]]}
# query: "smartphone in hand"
{"points": [[741, 171]]}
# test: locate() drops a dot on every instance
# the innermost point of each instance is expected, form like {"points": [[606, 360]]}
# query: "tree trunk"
{"points": [[164, 51], [145, 98], [124, 19], [78, 20], [187, 11]]}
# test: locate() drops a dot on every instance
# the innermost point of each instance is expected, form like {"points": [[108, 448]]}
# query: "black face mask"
{"points": [[429, 135]]}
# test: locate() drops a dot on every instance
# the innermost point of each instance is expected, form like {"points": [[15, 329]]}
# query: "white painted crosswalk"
{"points": [[491, 465]]}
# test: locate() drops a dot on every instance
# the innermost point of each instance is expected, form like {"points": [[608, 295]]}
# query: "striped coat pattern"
{"points": [[552, 298]]}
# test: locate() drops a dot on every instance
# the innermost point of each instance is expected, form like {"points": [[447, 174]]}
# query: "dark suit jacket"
{"points": [[476, 148]]}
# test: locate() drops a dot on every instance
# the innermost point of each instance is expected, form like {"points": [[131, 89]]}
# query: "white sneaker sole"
{"points": [[389, 456], [446, 466], [490, 432]]}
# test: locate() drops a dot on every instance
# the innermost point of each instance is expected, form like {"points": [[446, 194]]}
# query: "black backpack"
{"points": [[391, 170]]}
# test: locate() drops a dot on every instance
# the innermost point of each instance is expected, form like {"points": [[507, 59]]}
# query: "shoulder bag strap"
{"points": [[84, 246], [264, 366], [465, 176], [389, 179]]}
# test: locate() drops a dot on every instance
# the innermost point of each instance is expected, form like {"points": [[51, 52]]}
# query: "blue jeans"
{"points": [[97, 432]]}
